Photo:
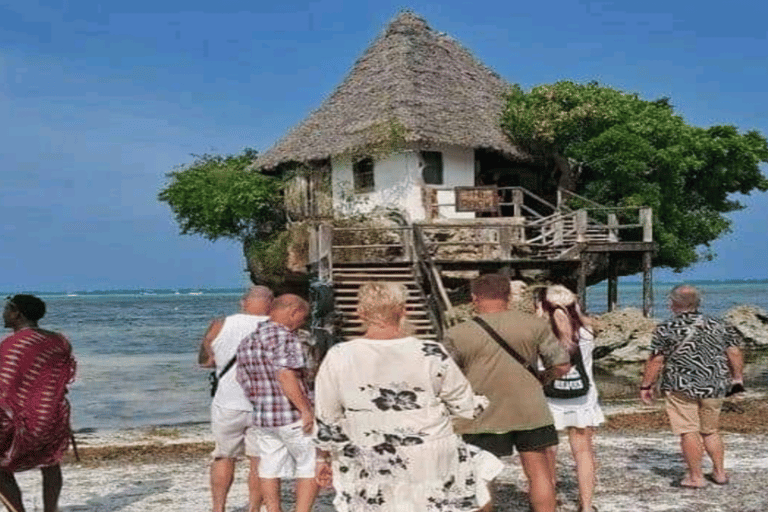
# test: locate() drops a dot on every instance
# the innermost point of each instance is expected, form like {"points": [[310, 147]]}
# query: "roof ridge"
{"points": [[426, 81]]}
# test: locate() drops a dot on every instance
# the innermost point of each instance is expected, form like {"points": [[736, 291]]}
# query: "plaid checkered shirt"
{"points": [[261, 355]]}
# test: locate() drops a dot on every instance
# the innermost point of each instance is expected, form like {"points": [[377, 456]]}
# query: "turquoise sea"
{"points": [[137, 350]]}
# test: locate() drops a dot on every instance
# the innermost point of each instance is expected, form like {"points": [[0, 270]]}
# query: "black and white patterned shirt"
{"points": [[695, 364]]}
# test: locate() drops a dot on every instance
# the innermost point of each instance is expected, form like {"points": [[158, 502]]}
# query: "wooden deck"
{"points": [[560, 239]]}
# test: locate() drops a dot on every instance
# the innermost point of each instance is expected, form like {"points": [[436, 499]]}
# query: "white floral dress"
{"points": [[384, 410]]}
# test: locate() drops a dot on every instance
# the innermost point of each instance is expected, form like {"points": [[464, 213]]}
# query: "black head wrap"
{"points": [[30, 306]]}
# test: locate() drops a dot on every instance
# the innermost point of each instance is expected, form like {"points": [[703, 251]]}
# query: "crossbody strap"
{"points": [[498, 339], [229, 365]]}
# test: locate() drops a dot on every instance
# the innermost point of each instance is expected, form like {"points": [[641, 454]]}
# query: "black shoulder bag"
{"points": [[573, 384], [512, 352], [214, 379]]}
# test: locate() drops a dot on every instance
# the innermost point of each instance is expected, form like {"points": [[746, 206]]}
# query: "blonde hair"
{"points": [[559, 295], [556, 297], [381, 303]]}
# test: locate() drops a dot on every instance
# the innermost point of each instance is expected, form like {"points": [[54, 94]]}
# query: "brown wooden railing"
{"points": [[551, 237], [372, 245], [536, 229], [512, 202], [437, 297], [494, 238]]}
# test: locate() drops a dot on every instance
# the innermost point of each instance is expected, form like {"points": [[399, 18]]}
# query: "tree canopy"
{"points": [[219, 197], [625, 151]]}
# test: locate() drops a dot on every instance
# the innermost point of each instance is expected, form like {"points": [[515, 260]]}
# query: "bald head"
{"points": [[257, 301], [289, 310], [684, 298]]}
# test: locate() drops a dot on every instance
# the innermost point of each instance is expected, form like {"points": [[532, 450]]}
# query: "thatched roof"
{"points": [[414, 81]]}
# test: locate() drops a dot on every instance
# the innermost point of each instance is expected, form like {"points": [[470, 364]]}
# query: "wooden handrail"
{"points": [[423, 262]]}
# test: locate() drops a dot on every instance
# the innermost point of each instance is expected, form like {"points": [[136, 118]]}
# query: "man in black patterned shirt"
{"points": [[699, 359]]}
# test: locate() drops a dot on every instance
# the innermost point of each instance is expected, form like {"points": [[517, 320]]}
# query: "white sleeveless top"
{"points": [[583, 411], [229, 394]]}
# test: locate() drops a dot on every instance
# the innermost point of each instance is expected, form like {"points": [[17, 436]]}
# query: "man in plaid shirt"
{"points": [[271, 368]]}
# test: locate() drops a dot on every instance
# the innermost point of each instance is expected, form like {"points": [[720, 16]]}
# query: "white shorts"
{"points": [[286, 452], [234, 433]]}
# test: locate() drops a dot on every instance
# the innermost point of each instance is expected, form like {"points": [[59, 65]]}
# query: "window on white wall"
{"points": [[362, 175], [432, 171]]}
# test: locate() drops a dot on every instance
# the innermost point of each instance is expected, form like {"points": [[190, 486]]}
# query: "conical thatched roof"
{"points": [[413, 80]]}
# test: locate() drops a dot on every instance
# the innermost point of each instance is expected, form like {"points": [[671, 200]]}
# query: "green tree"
{"points": [[220, 197], [619, 150]]}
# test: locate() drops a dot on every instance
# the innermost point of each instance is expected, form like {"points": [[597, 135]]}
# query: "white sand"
{"points": [[636, 473]]}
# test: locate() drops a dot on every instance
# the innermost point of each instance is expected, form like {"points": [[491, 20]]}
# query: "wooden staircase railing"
{"points": [[347, 280]]}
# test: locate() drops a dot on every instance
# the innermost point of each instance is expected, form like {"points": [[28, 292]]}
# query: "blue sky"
{"points": [[100, 99]]}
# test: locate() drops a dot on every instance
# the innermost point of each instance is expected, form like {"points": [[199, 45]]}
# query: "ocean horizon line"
{"points": [[134, 291], [239, 289]]}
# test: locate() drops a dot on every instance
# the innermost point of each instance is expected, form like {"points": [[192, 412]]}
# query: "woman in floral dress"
{"points": [[384, 405]]}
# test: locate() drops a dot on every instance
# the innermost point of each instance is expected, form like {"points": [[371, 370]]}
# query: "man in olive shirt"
{"points": [[518, 415]]}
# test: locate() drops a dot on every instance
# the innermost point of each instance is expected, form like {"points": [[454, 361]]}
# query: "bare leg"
{"points": [[552, 462], [52, 482], [713, 444], [254, 486], [11, 494], [536, 467], [693, 451], [222, 474], [584, 455], [270, 493], [306, 492]]}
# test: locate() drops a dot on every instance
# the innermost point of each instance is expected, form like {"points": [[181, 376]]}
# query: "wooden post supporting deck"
{"points": [[325, 252], [646, 219], [517, 202], [613, 228], [647, 285], [581, 284], [613, 283], [581, 226]]}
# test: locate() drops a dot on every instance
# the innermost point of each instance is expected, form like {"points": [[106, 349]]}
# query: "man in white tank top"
{"points": [[231, 412]]}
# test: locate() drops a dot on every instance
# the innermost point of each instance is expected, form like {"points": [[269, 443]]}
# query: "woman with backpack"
{"points": [[573, 398]]}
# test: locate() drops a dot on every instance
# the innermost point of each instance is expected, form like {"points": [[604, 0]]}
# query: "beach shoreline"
{"points": [[165, 468]]}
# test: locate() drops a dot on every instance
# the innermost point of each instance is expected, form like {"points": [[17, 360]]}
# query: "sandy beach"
{"points": [[166, 469]]}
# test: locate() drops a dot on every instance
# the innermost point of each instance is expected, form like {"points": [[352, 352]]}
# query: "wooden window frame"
{"points": [[440, 172], [363, 176]]}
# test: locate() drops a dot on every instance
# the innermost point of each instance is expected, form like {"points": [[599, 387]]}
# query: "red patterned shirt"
{"points": [[265, 352], [35, 368]]}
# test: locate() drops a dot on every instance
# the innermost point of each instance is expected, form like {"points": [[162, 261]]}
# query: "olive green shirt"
{"points": [[516, 399]]}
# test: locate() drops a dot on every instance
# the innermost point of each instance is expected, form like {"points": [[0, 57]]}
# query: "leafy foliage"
{"points": [[626, 151], [268, 257], [219, 197]]}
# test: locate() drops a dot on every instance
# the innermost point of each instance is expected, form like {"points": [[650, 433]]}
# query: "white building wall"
{"points": [[398, 183], [458, 171]]}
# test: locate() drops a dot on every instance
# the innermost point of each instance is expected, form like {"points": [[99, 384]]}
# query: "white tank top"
{"points": [[229, 394]]}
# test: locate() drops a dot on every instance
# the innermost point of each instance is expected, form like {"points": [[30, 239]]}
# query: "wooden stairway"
{"points": [[347, 279]]}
